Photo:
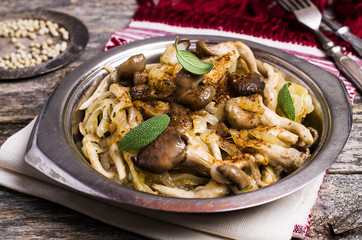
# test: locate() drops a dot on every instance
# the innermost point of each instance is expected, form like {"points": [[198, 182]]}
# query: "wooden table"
{"points": [[336, 215]]}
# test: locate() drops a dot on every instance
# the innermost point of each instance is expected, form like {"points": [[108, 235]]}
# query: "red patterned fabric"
{"points": [[259, 18]]}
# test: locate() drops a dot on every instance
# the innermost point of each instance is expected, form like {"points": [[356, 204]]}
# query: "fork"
{"points": [[309, 15]]}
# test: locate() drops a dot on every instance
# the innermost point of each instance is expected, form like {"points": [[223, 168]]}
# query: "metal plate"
{"points": [[60, 158], [78, 39]]}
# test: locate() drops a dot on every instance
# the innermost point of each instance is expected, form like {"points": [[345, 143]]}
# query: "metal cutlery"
{"points": [[309, 15], [344, 33]]}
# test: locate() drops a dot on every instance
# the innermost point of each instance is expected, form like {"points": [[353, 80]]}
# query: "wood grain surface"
{"points": [[336, 214]]}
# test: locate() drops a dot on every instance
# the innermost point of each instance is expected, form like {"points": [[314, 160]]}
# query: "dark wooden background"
{"points": [[336, 215]]}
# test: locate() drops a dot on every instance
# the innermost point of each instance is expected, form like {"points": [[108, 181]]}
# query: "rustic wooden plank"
{"points": [[337, 213], [350, 159], [28, 217], [17, 97], [8, 129]]}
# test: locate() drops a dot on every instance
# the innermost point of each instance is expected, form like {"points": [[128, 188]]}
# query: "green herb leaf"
{"points": [[192, 63], [285, 102], [144, 133]]}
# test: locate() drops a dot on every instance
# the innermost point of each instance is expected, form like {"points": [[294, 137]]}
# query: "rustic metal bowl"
{"points": [[54, 146]]}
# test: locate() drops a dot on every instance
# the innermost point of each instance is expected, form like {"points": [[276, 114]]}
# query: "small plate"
{"points": [[78, 39]]}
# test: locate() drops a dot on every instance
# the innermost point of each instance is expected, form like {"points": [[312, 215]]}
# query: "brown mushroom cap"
{"points": [[203, 50], [197, 98], [164, 153], [246, 84], [180, 118], [134, 64], [185, 80]]}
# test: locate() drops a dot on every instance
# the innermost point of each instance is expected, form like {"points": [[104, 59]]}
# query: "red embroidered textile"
{"points": [[259, 18]]}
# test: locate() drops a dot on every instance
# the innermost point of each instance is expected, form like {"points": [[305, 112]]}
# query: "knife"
{"points": [[349, 67], [344, 33]]}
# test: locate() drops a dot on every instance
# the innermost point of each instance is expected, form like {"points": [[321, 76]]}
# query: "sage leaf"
{"points": [[285, 102], [192, 63], [144, 134]]}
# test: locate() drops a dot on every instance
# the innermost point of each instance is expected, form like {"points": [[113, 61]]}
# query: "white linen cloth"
{"points": [[275, 220]]}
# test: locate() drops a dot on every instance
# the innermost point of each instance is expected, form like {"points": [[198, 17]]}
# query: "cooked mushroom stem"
{"points": [[270, 118], [235, 175], [220, 129], [279, 156], [314, 134], [198, 158], [239, 118], [212, 189], [134, 64], [204, 50], [222, 48], [303, 146], [271, 90]]}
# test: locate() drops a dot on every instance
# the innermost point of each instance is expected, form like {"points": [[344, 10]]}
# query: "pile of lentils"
{"points": [[53, 44]]}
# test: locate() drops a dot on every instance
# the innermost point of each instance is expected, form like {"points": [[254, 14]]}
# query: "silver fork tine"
{"points": [[304, 3], [298, 4], [301, 9], [286, 5], [295, 5]]}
